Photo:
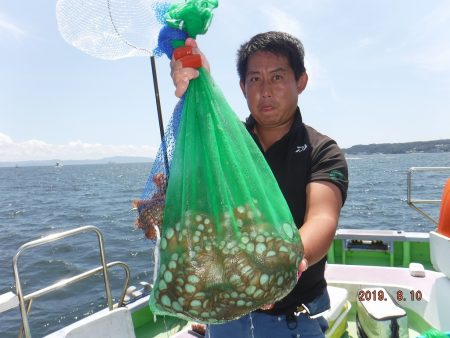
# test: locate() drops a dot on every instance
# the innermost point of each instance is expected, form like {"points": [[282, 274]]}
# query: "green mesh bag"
{"points": [[433, 333], [229, 243]]}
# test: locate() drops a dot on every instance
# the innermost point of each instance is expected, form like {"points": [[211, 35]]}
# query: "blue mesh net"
{"points": [[166, 147], [151, 205], [165, 38]]}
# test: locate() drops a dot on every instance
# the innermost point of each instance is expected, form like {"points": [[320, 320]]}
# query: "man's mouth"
{"points": [[266, 108]]}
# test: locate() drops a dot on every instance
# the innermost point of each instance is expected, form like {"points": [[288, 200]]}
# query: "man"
{"points": [[309, 167]]}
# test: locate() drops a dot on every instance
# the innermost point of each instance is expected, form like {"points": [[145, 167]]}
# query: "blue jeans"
{"points": [[262, 325]]}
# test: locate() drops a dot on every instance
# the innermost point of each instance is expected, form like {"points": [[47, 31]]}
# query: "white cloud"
{"points": [[282, 21], [77, 150], [5, 140], [365, 42], [317, 74], [436, 58], [427, 44], [10, 28]]}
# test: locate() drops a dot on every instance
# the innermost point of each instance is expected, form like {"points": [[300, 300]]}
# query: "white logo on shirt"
{"points": [[301, 148]]}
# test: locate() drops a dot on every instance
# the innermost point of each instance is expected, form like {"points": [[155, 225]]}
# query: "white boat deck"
{"points": [[381, 276], [414, 293]]}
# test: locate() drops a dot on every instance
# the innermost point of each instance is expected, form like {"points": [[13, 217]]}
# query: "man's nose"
{"points": [[266, 89]]}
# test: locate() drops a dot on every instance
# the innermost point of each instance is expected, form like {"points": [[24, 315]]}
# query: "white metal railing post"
{"points": [[51, 238], [414, 202]]}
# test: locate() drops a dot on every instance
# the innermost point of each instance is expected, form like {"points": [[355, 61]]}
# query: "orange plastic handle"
{"points": [[192, 61], [180, 52]]}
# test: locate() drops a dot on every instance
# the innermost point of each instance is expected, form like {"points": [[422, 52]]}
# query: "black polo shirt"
{"points": [[302, 156]]}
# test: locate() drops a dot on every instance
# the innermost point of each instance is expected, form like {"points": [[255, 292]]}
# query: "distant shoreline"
{"points": [[60, 163], [437, 146]]}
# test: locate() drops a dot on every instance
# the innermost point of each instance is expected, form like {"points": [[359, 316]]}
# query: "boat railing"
{"points": [[25, 301], [415, 202], [384, 246]]}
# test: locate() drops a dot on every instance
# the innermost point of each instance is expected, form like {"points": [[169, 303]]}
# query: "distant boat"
{"points": [[58, 164]]}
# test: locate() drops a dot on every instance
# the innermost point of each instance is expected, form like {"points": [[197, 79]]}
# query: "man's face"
{"points": [[271, 89]]}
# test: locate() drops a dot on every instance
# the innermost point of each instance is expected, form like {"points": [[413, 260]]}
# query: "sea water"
{"points": [[36, 201]]}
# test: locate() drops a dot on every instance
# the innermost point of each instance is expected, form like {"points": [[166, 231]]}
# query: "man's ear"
{"points": [[242, 85], [302, 82]]}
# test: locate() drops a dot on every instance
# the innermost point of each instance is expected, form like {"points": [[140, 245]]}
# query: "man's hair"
{"points": [[278, 43]]}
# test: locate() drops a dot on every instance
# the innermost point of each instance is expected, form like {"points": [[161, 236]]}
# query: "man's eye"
{"points": [[277, 77], [253, 79]]}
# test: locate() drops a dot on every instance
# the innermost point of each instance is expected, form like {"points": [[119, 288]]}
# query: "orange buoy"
{"points": [[443, 227]]}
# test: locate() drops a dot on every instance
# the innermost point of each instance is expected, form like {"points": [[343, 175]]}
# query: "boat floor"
{"points": [[356, 277], [400, 284], [351, 332], [353, 278]]}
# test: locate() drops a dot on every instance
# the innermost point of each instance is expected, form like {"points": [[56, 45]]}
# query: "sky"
{"points": [[379, 72]]}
